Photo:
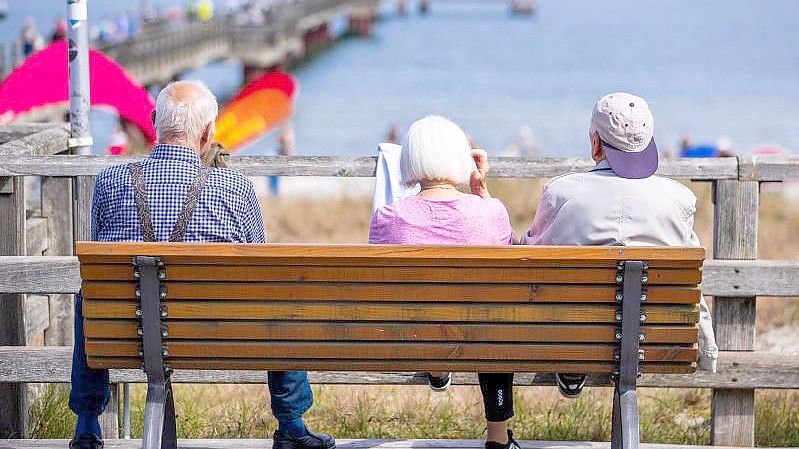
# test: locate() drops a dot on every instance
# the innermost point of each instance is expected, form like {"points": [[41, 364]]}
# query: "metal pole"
{"points": [[78, 56]]}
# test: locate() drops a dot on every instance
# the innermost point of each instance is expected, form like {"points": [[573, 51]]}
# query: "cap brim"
{"points": [[633, 165]]}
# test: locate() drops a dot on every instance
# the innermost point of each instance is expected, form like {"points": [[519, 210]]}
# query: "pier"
{"points": [[164, 50]]}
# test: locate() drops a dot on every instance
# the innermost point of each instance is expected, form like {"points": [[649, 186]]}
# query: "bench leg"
{"points": [[625, 420], [160, 430]]}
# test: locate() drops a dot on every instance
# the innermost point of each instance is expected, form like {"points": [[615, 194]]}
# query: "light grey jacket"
{"points": [[600, 208]]}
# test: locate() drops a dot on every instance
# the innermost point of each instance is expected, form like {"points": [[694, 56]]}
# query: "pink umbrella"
{"points": [[43, 81]]}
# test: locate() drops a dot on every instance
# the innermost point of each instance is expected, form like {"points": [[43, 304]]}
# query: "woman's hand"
{"points": [[478, 181]]}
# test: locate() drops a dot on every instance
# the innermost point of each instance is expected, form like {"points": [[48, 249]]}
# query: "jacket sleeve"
{"points": [[543, 219], [252, 220], [708, 350]]}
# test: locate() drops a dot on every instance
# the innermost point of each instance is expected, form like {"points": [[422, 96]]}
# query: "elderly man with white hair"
{"points": [[620, 203], [172, 196]]}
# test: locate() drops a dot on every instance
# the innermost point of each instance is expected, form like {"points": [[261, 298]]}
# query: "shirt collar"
{"points": [[602, 165], [175, 153]]}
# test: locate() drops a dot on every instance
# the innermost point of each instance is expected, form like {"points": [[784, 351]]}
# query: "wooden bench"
{"points": [[165, 306]]}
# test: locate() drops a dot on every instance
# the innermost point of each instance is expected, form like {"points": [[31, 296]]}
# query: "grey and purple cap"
{"points": [[627, 128]]}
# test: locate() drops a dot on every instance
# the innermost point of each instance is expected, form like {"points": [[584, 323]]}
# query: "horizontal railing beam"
{"points": [[17, 131], [735, 370], [343, 166], [48, 141], [728, 278]]}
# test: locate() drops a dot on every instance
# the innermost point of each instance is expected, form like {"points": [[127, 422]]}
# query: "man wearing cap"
{"points": [[620, 203]]}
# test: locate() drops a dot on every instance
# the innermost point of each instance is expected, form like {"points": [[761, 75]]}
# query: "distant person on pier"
{"points": [[142, 202], [620, 203], [59, 30], [438, 157], [285, 148], [30, 40]]}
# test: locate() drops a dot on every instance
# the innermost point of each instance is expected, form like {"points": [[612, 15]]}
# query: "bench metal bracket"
{"points": [[632, 279], [160, 430]]}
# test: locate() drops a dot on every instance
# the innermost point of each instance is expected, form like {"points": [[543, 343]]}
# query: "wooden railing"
{"points": [[36, 247]]}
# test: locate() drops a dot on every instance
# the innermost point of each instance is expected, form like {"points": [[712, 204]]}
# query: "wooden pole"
{"points": [[13, 397], [57, 209], [735, 237]]}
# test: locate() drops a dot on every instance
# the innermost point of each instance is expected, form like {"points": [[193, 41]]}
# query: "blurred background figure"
{"points": [[401, 7], [118, 145], [29, 39], [147, 12], [721, 148], [59, 30], [3, 9], [205, 10], [392, 136], [285, 148], [524, 144]]}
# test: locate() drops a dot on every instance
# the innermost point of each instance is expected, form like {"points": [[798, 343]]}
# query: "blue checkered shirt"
{"points": [[227, 210]]}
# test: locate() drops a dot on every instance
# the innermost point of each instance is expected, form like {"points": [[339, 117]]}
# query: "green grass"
{"points": [[223, 411]]}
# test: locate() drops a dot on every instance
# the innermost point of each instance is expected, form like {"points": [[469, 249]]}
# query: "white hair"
{"points": [[436, 149], [181, 117]]}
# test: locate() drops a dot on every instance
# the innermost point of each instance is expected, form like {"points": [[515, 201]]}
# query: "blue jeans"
{"points": [[290, 391]]}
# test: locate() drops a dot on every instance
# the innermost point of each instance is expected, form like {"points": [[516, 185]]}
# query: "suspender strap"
{"points": [[179, 231], [142, 206], [186, 212]]}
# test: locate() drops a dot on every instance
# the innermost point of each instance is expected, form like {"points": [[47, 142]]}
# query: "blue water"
{"points": [[709, 69]]}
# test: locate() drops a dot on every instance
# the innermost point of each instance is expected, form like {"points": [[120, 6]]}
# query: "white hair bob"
{"points": [[436, 149], [184, 118]]}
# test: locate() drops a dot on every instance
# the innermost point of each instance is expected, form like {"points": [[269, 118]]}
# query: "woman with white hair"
{"points": [[437, 156]]}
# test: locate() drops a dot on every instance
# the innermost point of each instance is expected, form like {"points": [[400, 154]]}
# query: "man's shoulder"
{"points": [[565, 185], [229, 178], [113, 174], [674, 189]]}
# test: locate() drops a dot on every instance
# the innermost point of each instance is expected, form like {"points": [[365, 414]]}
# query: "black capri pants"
{"points": [[497, 389]]}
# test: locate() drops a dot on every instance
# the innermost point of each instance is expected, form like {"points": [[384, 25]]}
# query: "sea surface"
{"points": [[708, 68]]}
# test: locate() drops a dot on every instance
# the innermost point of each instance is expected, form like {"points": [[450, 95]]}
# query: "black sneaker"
{"points": [[439, 384], [570, 385], [512, 444], [311, 441], [86, 442]]}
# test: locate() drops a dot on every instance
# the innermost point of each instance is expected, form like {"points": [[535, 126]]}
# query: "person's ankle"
{"points": [[294, 428], [88, 424]]}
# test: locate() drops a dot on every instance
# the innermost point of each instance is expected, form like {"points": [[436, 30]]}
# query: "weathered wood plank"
{"points": [[346, 444], [735, 237], [736, 278], [769, 168], [343, 166], [37, 315], [36, 236], [13, 398], [13, 132], [737, 370], [57, 208], [47, 274], [49, 141]]}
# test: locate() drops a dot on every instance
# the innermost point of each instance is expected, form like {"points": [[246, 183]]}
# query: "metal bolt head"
{"points": [[618, 335], [645, 279], [140, 331], [141, 353], [163, 313], [618, 316], [136, 274], [164, 353], [643, 297], [619, 296], [164, 333], [643, 317], [619, 279], [641, 337], [139, 312]]}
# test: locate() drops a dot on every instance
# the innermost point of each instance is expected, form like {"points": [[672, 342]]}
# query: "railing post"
{"points": [[57, 209], [13, 397], [735, 237], [82, 207]]}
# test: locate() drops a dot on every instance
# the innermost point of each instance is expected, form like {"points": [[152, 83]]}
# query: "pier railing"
{"points": [[39, 275]]}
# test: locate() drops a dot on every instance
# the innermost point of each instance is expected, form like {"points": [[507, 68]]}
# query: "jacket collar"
{"points": [[175, 153]]}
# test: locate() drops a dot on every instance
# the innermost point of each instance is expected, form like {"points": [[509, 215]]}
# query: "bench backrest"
{"points": [[391, 308]]}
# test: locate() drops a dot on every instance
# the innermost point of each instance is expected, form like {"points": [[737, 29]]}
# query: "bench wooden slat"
{"points": [[391, 365], [363, 311], [398, 332], [376, 254], [390, 351], [338, 291], [455, 275]]}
